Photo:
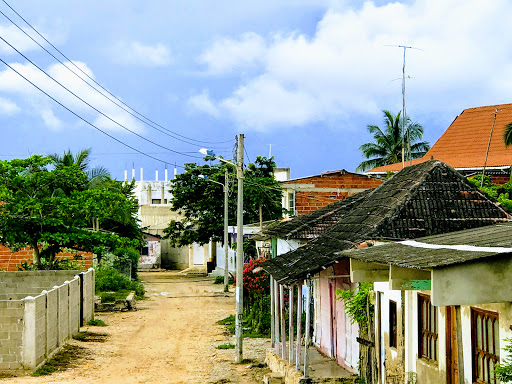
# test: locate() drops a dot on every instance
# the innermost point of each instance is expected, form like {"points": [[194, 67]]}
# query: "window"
{"points": [[291, 203], [156, 201], [145, 251], [427, 328], [485, 345], [392, 324]]}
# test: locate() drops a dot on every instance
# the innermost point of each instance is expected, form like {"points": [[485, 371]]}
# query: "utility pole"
{"points": [[226, 259], [239, 253]]}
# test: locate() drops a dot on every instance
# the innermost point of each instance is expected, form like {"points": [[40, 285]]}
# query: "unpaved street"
{"points": [[171, 338]]}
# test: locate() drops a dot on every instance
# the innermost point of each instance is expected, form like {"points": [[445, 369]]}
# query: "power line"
{"points": [[94, 108], [81, 118], [151, 123]]}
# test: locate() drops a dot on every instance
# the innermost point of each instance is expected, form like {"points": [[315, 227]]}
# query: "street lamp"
{"points": [[225, 187], [240, 245]]}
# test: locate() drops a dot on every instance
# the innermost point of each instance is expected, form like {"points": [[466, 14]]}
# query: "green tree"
{"points": [[82, 160], [50, 209], [387, 145], [201, 203]]}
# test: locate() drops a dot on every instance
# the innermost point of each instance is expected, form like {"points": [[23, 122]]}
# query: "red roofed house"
{"points": [[304, 195], [464, 144]]}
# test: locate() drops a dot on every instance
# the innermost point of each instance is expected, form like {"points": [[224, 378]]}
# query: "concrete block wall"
{"points": [[11, 334], [34, 327]]}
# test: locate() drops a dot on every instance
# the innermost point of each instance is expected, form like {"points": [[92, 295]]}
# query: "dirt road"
{"points": [[171, 338]]}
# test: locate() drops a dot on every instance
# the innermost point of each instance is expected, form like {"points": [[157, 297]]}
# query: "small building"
{"points": [[426, 199], [305, 195], [473, 141], [150, 256], [456, 304]]}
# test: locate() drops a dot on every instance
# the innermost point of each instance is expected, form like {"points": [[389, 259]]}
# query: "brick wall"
{"points": [[327, 189], [9, 261]]}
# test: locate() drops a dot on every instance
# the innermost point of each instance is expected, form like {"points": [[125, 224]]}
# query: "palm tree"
{"points": [[95, 175], [387, 146], [507, 134]]}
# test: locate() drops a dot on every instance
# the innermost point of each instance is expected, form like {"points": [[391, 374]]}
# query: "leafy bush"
{"points": [[127, 255], [220, 280], [357, 304], [503, 370], [109, 279]]}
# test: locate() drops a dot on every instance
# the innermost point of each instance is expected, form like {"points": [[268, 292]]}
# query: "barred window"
{"points": [[485, 345], [427, 328]]}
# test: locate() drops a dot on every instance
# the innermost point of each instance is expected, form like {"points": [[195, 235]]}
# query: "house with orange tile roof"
{"points": [[470, 143]]}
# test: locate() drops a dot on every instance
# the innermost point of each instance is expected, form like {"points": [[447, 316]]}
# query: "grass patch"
{"points": [[90, 337], [111, 297], [64, 359], [220, 280], [97, 323], [226, 346]]}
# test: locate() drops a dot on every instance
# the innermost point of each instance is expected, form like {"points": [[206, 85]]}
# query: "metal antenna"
{"points": [[404, 113]]}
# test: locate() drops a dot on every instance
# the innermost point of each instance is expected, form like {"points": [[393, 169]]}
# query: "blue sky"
{"points": [[305, 76]]}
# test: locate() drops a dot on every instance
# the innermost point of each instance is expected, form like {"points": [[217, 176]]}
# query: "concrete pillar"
{"points": [[141, 175], [133, 173], [156, 175], [29, 334], [149, 194], [166, 175], [162, 192]]}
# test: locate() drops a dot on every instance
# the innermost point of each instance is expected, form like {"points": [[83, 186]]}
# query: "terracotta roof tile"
{"points": [[464, 143]]}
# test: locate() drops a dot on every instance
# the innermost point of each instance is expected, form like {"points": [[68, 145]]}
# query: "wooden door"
{"points": [[452, 374], [334, 332]]}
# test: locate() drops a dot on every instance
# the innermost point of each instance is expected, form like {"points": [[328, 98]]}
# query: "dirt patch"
{"points": [[93, 337], [164, 341]]}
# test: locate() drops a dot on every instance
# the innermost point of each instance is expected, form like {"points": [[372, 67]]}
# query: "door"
{"points": [[452, 370], [198, 254], [334, 333]]}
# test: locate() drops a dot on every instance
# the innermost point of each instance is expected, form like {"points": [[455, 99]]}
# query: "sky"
{"points": [[301, 79]]}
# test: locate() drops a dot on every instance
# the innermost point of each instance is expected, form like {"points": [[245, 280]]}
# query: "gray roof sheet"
{"points": [[409, 256]]}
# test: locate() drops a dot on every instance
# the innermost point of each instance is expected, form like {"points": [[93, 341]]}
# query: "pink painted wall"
{"points": [[331, 319]]}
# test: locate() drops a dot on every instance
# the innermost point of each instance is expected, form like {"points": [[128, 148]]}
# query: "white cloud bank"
{"points": [[347, 68], [33, 101], [138, 54]]}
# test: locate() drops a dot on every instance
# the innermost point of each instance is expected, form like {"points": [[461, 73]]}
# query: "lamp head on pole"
{"points": [[207, 152]]}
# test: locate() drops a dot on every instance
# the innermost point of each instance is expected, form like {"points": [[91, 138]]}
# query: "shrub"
{"points": [[109, 279], [226, 346], [97, 323]]}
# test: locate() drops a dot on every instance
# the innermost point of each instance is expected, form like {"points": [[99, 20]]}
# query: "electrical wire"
{"points": [[151, 123], [83, 119], [94, 108]]}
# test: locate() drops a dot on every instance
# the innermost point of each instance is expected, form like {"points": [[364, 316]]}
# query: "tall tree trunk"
{"points": [[36, 256], [261, 217]]}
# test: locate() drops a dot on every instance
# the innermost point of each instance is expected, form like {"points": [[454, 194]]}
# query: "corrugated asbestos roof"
{"points": [[464, 143], [408, 256], [422, 200], [311, 226]]}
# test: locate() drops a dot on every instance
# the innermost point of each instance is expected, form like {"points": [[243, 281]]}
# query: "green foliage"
{"points": [[226, 346], [51, 209], [249, 247], [220, 280], [109, 279], [502, 193], [201, 203], [108, 297], [125, 256], [388, 143], [357, 304], [504, 369], [96, 323]]}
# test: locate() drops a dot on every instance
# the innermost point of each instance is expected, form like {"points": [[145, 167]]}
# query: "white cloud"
{"points": [[16, 38], [347, 68], [226, 55], [8, 107], [203, 103], [138, 54], [53, 115]]}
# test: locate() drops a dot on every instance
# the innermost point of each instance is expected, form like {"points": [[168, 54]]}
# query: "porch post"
{"points": [[276, 317], [308, 326], [272, 314], [460, 355], [290, 326], [299, 326], [283, 323]]}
